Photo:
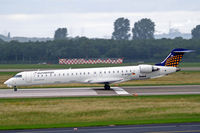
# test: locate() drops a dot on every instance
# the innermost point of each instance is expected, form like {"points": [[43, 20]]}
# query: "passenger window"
{"points": [[88, 73], [113, 71], [105, 72]]}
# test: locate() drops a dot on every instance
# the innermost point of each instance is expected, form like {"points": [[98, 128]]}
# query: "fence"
{"points": [[91, 61]]}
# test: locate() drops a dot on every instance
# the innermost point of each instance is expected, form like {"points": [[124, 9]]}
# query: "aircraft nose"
{"points": [[8, 82]]}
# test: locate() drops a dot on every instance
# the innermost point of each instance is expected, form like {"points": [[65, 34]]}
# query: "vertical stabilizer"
{"points": [[174, 57]]}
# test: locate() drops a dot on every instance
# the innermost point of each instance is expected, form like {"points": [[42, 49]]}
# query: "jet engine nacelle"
{"points": [[148, 68]]}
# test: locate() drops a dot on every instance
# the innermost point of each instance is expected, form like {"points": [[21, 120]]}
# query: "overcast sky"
{"points": [[93, 18]]}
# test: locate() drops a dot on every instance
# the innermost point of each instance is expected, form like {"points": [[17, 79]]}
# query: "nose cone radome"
{"points": [[8, 82]]}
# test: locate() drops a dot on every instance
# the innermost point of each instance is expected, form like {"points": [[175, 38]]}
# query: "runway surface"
{"points": [[99, 91], [151, 128]]}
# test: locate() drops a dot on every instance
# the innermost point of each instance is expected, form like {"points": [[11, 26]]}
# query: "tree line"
{"points": [[149, 50], [140, 47], [143, 29]]}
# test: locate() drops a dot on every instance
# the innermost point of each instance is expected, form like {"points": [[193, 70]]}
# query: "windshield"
{"points": [[17, 76]]}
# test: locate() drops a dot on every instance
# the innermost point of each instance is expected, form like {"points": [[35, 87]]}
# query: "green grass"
{"points": [[187, 64], [7, 73], [26, 113], [57, 66]]}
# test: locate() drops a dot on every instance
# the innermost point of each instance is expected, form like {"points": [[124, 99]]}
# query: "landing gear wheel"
{"points": [[15, 88], [107, 87]]}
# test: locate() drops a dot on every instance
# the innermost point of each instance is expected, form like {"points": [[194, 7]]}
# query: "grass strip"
{"points": [[29, 113], [54, 66]]}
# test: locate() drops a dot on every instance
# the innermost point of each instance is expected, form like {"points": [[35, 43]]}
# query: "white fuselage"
{"points": [[89, 75]]}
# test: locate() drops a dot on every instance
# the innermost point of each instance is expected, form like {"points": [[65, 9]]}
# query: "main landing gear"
{"points": [[107, 86], [15, 88]]}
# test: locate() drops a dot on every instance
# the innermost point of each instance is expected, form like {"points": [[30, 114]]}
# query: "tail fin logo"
{"points": [[174, 57], [174, 60]]}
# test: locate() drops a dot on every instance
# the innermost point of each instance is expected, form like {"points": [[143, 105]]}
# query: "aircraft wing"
{"points": [[103, 81]]}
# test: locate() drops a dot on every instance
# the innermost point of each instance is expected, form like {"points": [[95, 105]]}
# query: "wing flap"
{"points": [[102, 81]]}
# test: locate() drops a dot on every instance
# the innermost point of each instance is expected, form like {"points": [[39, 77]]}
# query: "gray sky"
{"points": [[93, 18]]}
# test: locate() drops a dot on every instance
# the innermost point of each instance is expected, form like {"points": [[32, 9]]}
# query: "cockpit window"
{"points": [[17, 76]]}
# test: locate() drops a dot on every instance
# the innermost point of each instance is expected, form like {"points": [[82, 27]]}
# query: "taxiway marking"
{"points": [[120, 91]]}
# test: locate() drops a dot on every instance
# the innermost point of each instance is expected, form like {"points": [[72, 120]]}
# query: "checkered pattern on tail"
{"points": [[174, 60], [174, 57]]}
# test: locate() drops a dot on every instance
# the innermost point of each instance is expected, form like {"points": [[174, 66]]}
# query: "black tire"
{"points": [[107, 87], [15, 88]]}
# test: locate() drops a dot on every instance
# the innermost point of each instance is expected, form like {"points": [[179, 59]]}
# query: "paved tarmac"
{"points": [[99, 91], [20, 70], [151, 128]]}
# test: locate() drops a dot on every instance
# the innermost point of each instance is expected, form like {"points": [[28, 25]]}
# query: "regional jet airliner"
{"points": [[104, 75]]}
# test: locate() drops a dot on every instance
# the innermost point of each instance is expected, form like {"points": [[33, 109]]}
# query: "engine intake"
{"points": [[148, 68]]}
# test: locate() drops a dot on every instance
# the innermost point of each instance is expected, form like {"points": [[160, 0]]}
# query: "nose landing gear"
{"points": [[15, 88]]}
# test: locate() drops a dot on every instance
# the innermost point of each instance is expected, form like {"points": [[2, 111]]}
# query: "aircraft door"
{"points": [[28, 77]]}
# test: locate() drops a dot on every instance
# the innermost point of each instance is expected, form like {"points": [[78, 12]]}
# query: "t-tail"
{"points": [[174, 57]]}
